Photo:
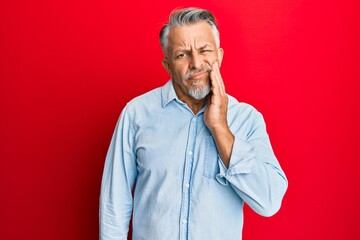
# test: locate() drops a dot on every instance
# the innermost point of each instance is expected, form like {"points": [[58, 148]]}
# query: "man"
{"points": [[196, 154]]}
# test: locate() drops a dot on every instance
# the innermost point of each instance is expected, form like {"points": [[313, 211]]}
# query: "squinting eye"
{"points": [[205, 50]]}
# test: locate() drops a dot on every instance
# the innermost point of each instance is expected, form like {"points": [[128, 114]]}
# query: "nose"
{"points": [[196, 61]]}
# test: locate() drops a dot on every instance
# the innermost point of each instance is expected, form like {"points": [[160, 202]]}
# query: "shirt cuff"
{"points": [[241, 161]]}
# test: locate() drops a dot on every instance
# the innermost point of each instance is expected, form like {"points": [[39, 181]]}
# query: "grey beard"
{"points": [[199, 92]]}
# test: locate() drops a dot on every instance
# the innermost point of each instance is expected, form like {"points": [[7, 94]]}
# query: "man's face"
{"points": [[189, 56]]}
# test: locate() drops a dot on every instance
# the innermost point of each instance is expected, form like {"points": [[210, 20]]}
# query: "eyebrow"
{"points": [[187, 50], [182, 50], [205, 46]]}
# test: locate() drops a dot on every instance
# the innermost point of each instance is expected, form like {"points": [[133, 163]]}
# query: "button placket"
{"points": [[186, 195]]}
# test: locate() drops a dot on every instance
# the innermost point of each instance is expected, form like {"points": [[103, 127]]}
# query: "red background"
{"points": [[67, 68]]}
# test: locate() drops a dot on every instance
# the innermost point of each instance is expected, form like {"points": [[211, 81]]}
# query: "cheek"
{"points": [[212, 59], [176, 76], [179, 72]]}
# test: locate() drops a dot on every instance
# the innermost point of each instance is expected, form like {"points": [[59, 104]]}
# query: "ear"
{"points": [[220, 55], [166, 64]]}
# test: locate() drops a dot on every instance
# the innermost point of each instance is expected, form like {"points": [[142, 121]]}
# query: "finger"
{"points": [[215, 83], [218, 78]]}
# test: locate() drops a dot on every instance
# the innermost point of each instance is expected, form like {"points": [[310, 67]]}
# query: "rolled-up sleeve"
{"points": [[254, 172], [118, 180]]}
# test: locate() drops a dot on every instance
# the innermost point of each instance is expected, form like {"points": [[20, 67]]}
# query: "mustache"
{"points": [[202, 69]]}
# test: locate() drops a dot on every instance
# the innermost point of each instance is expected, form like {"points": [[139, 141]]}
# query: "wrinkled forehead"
{"points": [[190, 34]]}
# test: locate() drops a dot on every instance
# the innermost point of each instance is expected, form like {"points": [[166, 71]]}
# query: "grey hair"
{"points": [[187, 16]]}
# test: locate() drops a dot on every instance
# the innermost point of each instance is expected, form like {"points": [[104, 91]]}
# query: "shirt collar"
{"points": [[168, 93]]}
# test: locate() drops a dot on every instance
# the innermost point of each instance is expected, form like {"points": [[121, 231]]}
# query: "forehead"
{"points": [[191, 35]]}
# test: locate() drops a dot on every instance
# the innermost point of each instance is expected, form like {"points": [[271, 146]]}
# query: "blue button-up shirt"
{"points": [[182, 190]]}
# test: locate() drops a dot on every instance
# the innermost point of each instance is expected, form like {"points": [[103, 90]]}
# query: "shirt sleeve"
{"points": [[254, 172], [117, 182]]}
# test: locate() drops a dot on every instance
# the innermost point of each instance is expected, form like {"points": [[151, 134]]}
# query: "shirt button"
{"points": [[190, 152], [187, 185], [184, 221], [194, 119]]}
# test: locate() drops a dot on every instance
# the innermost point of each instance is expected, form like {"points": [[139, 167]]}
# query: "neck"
{"points": [[195, 105]]}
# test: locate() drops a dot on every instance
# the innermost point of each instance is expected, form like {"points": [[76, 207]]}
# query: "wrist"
{"points": [[220, 130]]}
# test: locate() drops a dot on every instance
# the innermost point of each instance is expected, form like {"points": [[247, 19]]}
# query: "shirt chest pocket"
{"points": [[210, 159]]}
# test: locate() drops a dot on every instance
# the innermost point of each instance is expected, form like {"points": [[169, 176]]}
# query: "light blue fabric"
{"points": [[183, 190]]}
